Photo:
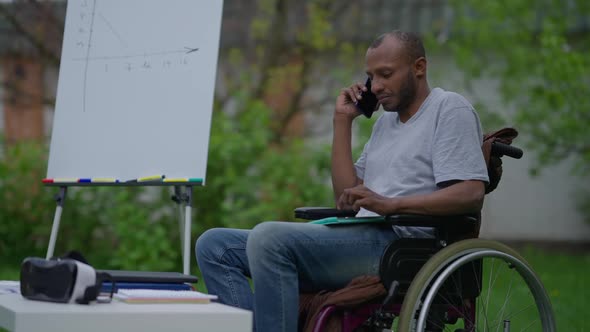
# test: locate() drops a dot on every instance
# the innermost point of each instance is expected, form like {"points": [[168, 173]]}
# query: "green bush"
{"points": [[250, 179], [26, 208], [112, 227]]}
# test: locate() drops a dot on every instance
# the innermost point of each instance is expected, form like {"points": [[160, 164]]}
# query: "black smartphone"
{"points": [[368, 101]]}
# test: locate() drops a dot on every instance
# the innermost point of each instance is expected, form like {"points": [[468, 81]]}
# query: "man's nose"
{"points": [[376, 86]]}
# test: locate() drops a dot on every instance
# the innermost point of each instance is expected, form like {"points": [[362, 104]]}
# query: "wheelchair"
{"points": [[451, 282]]}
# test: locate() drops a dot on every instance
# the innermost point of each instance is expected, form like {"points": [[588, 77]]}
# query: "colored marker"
{"points": [[199, 180], [104, 180], [87, 180], [47, 180], [64, 180], [176, 180], [151, 178]]}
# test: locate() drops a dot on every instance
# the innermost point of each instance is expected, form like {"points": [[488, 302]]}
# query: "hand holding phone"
{"points": [[368, 102]]}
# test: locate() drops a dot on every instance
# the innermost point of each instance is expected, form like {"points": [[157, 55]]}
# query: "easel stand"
{"points": [[181, 197], [185, 198], [60, 199]]}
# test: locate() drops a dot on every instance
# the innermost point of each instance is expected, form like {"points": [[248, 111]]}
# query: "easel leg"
{"points": [[177, 197], [187, 229], [60, 198]]}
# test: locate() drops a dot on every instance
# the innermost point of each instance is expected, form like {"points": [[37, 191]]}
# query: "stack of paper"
{"points": [[9, 287], [162, 296]]}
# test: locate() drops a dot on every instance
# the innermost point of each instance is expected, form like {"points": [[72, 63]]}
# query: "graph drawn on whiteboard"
{"points": [[136, 88], [89, 16]]}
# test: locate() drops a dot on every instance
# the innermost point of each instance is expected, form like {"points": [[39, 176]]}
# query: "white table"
{"points": [[21, 315]]}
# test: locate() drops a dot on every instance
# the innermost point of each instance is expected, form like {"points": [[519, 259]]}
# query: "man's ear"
{"points": [[420, 67]]}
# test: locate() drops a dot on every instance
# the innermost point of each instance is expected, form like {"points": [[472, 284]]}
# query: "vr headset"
{"points": [[61, 280]]}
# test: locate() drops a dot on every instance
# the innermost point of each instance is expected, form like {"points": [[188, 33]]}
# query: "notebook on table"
{"points": [[150, 276], [106, 286], [162, 296]]}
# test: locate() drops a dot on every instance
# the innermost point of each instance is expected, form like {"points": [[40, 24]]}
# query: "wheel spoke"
{"points": [[485, 304], [528, 326], [509, 317], [506, 298], [465, 310], [432, 291]]}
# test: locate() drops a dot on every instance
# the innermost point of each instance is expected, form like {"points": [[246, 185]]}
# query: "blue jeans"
{"points": [[284, 259]]}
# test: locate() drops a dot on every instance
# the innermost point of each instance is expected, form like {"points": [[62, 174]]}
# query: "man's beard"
{"points": [[406, 95]]}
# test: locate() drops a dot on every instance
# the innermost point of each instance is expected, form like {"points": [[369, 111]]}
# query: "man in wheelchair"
{"points": [[424, 157]]}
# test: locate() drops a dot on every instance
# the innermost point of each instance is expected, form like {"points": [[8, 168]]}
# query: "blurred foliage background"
{"points": [[264, 160], [260, 170], [542, 62]]}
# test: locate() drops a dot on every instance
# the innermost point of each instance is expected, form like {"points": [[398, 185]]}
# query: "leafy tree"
{"points": [[538, 50], [259, 167]]}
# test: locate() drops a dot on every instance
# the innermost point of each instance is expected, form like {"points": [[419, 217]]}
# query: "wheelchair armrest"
{"points": [[319, 212], [420, 220], [448, 228]]}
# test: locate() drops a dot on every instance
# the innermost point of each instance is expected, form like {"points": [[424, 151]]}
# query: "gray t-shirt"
{"points": [[441, 142]]}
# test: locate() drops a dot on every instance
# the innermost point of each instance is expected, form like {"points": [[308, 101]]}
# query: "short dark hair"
{"points": [[410, 41]]}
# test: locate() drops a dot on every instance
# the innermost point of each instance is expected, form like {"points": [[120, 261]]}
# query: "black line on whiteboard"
{"points": [[88, 56], [143, 55], [191, 49], [110, 26]]}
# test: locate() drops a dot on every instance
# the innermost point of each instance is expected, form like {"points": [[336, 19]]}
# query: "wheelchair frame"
{"points": [[440, 267], [449, 256], [443, 256]]}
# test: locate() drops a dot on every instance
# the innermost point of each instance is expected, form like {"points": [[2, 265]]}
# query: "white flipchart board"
{"points": [[135, 91]]}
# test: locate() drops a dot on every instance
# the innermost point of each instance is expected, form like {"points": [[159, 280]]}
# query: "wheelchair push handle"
{"points": [[501, 149]]}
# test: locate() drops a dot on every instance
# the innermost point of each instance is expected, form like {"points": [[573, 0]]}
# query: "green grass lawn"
{"points": [[506, 296], [565, 276]]}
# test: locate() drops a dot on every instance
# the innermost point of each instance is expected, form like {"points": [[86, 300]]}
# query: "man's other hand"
{"points": [[363, 197]]}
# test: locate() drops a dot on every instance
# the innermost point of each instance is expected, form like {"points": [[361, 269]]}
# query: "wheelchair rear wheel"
{"points": [[508, 295]]}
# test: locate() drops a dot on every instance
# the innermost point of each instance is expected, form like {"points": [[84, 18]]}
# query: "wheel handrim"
{"points": [[484, 321]]}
